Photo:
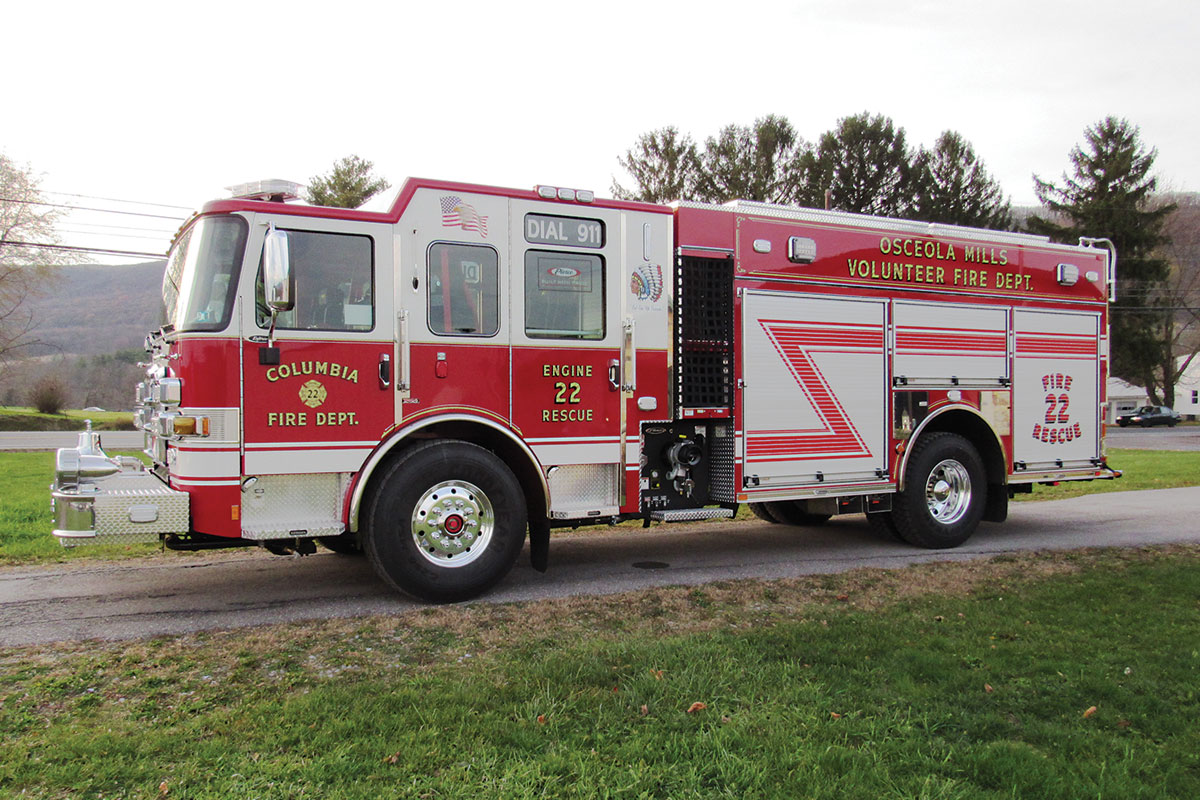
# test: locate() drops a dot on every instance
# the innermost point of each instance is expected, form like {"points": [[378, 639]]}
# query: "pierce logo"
{"points": [[564, 272]]}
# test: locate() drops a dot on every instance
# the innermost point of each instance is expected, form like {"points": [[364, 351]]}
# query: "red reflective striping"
{"points": [[796, 342]]}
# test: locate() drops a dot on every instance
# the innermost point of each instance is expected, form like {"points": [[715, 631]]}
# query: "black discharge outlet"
{"points": [[675, 466]]}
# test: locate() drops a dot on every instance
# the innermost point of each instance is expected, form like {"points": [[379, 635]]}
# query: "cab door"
{"points": [[567, 342], [315, 404]]}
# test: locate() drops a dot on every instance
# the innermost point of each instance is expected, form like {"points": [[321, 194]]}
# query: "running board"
{"points": [[690, 514]]}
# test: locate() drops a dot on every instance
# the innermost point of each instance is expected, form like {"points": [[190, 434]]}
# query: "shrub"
{"points": [[48, 396]]}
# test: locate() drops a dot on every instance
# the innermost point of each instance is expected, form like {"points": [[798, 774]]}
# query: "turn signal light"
{"points": [[191, 426]]}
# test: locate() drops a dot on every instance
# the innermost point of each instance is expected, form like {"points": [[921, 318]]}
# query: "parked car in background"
{"points": [[1149, 415]]}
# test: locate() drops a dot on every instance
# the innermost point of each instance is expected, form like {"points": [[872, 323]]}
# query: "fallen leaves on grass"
{"points": [[697, 706], [1090, 711]]}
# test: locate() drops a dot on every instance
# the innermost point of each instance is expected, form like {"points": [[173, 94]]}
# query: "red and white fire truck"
{"points": [[429, 383]]}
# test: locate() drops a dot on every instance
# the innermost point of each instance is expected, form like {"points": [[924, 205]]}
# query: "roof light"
{"points": [[563, 193], [274, 189]]}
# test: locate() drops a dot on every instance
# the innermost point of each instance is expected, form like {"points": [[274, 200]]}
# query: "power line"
{"points": [[89, 208], [72, 249], [159, 238], [117, 200]]}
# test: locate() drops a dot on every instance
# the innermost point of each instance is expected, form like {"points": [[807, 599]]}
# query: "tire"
{"points": [[789, 512], [760, 510], [345, 545], [945, 492], [445, 522]]}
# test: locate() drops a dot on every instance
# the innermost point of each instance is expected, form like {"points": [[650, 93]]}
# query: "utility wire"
{"points": [[117, 200], [73, 249], [89, 208]]}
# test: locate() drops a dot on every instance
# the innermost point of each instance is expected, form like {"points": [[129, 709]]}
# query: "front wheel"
{"points": [[944, 494], [446, 522]]}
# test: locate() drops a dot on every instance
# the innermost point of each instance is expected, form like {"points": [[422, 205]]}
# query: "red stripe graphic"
{"points": [[796, 342], [950, 341], [1060, 345]]}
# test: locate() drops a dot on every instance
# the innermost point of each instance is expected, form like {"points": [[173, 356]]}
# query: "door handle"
{"points": [[614, 375], [385, 370]]}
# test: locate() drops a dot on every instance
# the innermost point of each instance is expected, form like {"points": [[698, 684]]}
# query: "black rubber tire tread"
{"points": [[883, 524], [789, 512], [910, 510], [388, 539], [344, 545], [760, 510]]}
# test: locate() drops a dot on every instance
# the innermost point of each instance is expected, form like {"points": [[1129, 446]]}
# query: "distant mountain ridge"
{"points": [[91, 309]]}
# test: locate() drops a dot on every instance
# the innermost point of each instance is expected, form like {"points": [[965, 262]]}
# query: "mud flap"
{"points": [[996, 509], [539, 543]]}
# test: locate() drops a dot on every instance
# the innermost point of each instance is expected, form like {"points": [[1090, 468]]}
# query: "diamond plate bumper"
{"points": [[100, 499]]}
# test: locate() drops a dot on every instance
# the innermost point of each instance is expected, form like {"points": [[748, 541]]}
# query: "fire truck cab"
{"points": [[428, 383]]}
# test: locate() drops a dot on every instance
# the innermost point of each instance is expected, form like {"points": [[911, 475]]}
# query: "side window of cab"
{"points": [[333, 278]]}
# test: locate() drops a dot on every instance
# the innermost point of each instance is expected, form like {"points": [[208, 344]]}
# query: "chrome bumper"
{"points": [[100, 499]]}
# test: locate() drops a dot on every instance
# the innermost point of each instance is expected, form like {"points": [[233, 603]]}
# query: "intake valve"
{"points": [[682, 456]]}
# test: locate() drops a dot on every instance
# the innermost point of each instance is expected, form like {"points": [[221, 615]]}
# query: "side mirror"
{"points": [[277, 271]]}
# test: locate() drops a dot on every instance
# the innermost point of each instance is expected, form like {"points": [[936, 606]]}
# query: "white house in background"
{"points": [[1187, 390], [1124, 397]]}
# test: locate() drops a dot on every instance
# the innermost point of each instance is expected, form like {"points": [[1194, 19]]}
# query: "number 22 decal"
{"points": [[1060, 402]]}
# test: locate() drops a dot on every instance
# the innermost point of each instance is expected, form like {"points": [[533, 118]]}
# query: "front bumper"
{"points": [[100, 499]]}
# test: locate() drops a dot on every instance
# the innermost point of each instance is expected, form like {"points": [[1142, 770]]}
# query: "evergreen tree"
{"points": [[348, 185], [951, 185], [664, 166], [756, 162], [1109, 196], [865, 165]]}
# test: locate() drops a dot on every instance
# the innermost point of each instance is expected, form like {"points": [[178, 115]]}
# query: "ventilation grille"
{"points": [[704, 332]]}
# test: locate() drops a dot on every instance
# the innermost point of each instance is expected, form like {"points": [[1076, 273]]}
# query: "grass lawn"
{"points": [[1058, 676], [19, 418]]}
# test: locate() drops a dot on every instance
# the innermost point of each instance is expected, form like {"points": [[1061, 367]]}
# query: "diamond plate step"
{"points": [[690, 514]]}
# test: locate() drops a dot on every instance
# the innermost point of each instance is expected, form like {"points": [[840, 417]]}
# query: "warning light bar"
{"points": [[560, 193]]}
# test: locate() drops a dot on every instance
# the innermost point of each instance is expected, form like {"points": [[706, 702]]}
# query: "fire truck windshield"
{"points": [[202, 271]]}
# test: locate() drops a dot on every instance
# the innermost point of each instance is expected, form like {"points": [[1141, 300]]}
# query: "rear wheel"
{"points": [[446, 522], [944, 494]]}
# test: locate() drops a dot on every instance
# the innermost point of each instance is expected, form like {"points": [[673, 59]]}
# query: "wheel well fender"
{"points": [[967, 423], [493, 436]]}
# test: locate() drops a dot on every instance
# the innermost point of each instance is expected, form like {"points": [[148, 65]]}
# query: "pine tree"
{"points": [[1109, 196], [952, 186], [756, 162], [348, 185], [864, 164], [664, 166]]}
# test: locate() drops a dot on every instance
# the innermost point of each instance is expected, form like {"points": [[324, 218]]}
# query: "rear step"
{"points": [[690, 514]]}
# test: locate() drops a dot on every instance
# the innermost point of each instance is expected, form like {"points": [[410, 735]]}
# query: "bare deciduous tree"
{"points": [[27, 254]]}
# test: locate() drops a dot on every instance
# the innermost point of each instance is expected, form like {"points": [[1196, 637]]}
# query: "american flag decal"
{"points": [[457, 214]]}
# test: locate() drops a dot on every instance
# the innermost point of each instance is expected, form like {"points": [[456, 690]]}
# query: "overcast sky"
{"points": [[170, 102]]}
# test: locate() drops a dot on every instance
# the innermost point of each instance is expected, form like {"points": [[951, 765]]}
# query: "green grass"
{"points": [[1141, 469], [938, 681], [18, 418]]}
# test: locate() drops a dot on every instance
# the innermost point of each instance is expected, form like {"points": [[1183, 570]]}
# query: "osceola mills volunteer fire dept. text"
{"points": [[968, 277]]}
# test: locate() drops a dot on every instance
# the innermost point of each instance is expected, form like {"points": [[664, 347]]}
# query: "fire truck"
{"points": [[432, 383]]}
